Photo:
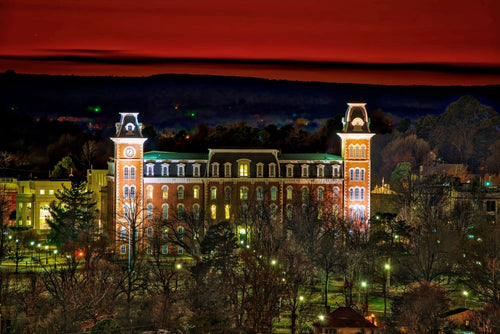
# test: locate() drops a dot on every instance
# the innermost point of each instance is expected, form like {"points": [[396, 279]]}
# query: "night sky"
{"points": [[361, 41]]}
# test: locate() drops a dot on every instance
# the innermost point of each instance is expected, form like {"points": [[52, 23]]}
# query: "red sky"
{"points": [[131, 37]]}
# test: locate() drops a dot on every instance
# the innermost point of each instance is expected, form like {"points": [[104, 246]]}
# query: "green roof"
{"points": [[158, 155], [309, 156]]}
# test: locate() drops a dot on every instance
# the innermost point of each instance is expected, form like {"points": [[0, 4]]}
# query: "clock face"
{"points": [[357, 122], [129, 151]]}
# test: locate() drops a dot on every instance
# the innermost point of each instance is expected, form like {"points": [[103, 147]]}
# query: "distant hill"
{"points": [[182, 101]]}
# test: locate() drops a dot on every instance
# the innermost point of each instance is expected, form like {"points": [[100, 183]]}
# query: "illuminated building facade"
{"points": [[223, 184]]}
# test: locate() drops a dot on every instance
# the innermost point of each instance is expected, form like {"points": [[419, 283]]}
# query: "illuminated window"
{"points": [[356, 174], [150, 211], [125, 173], [132, 173], [351, 151], [260, 169], [362, 193], [149, 192], [336, 191], [351, 193], [196, 170], [289, 192], [272, 169], [196, 192], [132, 192], [320, 193], [180, 233], [243, 167], [181, 169], [164, 249], [180, 192], [320, 212], [164, 191], [289, 170], [164, 211], [227, 169], [260, 193], [179, 250], [42, 191], [51, 192], [213, 211], [274, 192], [320, 170], [227, 211], [215, 169], [123, 249], [244, 193], [164, 169], [304, 170], [213, 193], [351, 174], [363, 151]]}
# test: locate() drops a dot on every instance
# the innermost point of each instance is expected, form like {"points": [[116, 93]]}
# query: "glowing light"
{"points": [[273, 262], [321, 317], [178, 266]]}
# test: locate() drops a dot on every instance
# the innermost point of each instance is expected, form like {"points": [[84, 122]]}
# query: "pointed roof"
{"points": [[346, 317], [356, 119], [128, 127]]}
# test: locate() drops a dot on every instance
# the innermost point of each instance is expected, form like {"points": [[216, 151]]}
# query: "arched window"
{"points": [[336, 191], [164, 169], [132, 173], [356, 193], [213, 211], [180, 233], [274, 192], [289, 211], [125, 173], [149, 232], [196, 211], [363, 151], [196, 192], [356, 174], [180, 192], [213, 193], [164, 210], [180, 211], [149, 192], [227, 211], [351, 193], [320, 193], [126, 192], [164, 191], [289, 192], [132, 192], [358, 151], [227, 194], [351, 151], [123, 233], [244, 193], [362, 174], [150, 211], [362, 193], [305, 193], [260, 193], [351, 172]]}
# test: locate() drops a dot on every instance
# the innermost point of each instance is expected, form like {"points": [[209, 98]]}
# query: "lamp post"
{"points": [[55, 258], [387, 268], [364, 285], [465, 293]]}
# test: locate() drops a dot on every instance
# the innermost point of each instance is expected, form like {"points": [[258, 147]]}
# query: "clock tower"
{"points": [[356, 142], [128, 169]]}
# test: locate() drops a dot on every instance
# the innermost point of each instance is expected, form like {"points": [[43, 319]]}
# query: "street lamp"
{"points": [[364, 285], [386, 284], [465, 293], [46, 254], [55, 258]]}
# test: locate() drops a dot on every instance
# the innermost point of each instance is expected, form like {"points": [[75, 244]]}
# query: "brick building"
{"points": [[223, 184]]}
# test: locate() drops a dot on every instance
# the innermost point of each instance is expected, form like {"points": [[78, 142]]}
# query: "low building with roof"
{"points": [[344, 320]]}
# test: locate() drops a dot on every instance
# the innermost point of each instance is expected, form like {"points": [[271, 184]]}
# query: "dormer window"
{"points": [[196, 170], [181, 169], [244, 168], [272, 170], [150, 169], [320, 171], [304, 170], [215, 169], [164, 169], [260, 169], [289, 170], [227, 169]]}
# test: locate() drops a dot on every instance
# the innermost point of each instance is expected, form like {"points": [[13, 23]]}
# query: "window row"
{"points": [[305, 171], [165, 169], [129, 172], [357, 174], [149, 249], [164, 192], [305, 193], [243, 169], [356, 193], [357, 151]]}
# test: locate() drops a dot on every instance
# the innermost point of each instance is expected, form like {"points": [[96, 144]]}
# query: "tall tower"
{"points": [[128, 170], [356, 138]]}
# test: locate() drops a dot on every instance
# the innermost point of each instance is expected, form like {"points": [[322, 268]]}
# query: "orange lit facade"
{"points": [[224, 184]]}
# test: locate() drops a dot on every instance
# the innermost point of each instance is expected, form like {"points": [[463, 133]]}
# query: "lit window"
{"points": [[227, 211], [149, 249], [227, 169], [289, 192], [180, 169], [150, 211], [243, 169], [260, 193], [196, 192], [305, 170], [351, 193], [289, 170], [132, 173], [164, 191], [180, 192], [125, 173], [356, 174], [356, 193], [274, 192], [180, 233], [362, 190], [260, 169], [215, 169], [351, 172], [272, 170], [213, 193], [164, 169], [164, 209], [42, 191], [123, 233], [244, 193], [213, 211], [149, 192], [363, 151], [164, 249], [51, 192], [179, 250], [123, 249]]}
